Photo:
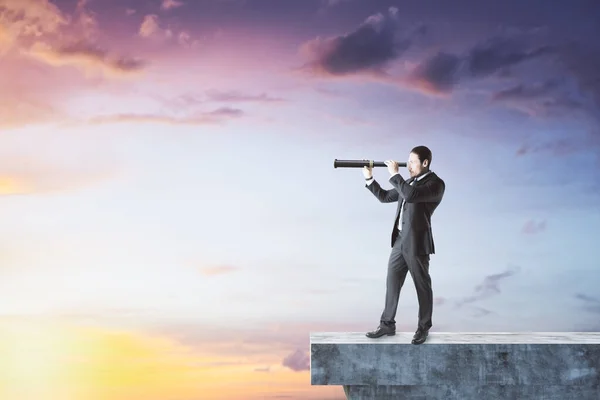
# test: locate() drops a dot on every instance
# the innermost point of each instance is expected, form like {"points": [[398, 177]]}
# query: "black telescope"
{"points": [[361, 163]]}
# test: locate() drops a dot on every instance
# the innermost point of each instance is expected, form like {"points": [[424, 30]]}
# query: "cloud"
{"points": [[6, 39], [439, 74], [41, 31], [331, 3], [265, 369], [490, 286], [497, 53], [218, 270], [522, 91], [190, 101], [583, 63], [30, 18], [297, 361], [217, 116], [436, 75], [481, 312], [30, 95], [591, 304], [545, 99], [170, 4], [184, 39], [20, 110], [368, 49], [531, 227], [237, 97], [86, 20], [87, 57], [557, 148], [150, 27]]}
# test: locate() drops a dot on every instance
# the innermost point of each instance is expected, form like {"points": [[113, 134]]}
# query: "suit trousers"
{"points": [[399, 265]]}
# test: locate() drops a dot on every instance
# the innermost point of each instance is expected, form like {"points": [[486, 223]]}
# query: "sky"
{"points": [[172, 224]]}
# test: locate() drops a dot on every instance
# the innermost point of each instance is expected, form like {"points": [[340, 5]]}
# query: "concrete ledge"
{"points": [[549, 366]]}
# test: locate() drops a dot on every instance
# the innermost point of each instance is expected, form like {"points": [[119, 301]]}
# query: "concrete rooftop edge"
{"points": [[461, 337], [461, 360]]}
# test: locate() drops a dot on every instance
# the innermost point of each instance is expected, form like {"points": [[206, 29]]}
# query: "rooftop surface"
{"points": [[461, 338]]}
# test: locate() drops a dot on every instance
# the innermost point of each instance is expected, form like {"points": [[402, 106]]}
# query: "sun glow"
{"points": [[52, 360], [10, 185], [60, 361], [34, 361]]}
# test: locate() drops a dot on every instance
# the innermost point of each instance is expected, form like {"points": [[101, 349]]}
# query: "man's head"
{"points": [[419, 160]]}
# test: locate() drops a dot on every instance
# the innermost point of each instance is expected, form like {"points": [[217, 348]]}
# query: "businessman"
{"points": [[412, 238]]}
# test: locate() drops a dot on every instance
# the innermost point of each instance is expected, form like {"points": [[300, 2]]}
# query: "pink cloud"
{"points": [[153, 29], [35, 94], [87, 57], [236, 96], [150, 27], [217, 116], [170, 4], [44, 33]]}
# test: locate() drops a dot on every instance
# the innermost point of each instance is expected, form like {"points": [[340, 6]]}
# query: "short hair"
{"points": [[423, 153]]}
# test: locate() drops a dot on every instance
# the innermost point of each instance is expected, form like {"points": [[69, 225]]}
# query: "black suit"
{"points": [[412, 246]]}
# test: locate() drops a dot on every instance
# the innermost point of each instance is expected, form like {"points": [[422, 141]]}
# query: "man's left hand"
{"points": [[392, 166]]}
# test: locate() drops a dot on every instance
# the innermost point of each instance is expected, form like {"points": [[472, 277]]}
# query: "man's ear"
{"points": [[425, 163]]}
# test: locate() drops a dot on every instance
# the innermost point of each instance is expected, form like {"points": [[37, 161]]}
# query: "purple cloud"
{"points": [[498, 53], [545, 99], [367, 49], [436, 75], [297, 361], [440, 73], [531, 227]]}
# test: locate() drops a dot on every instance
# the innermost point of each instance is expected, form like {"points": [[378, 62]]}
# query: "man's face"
{"points": [[414, 165]]}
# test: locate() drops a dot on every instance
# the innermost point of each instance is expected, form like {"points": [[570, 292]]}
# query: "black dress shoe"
{"points": [[382, 330], [420, 336]]}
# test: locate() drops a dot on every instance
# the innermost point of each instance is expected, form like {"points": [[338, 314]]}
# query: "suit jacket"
{"points": [[420, 201]]}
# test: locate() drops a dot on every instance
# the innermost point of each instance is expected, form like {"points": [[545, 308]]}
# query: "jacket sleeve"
{"points": [[430, 191], [384, 196]]}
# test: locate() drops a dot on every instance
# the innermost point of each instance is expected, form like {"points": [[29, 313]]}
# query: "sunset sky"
{"points": [[172, 224]]}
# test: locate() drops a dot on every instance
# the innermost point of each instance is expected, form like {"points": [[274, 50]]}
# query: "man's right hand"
{"points": [[367, 172]]}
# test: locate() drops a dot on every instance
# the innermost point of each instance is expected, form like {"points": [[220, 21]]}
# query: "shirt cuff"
{"points": [[370, 181]]}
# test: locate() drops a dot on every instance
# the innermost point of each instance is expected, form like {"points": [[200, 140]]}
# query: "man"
{"points": [[412, 239]]}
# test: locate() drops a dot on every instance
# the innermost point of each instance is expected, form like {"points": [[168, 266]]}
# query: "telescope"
{"points": [[361, 163]]}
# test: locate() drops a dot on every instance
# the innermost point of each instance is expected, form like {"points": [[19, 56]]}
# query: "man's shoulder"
{"points": [[433, 178]]}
